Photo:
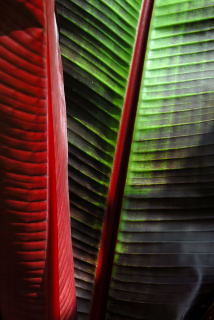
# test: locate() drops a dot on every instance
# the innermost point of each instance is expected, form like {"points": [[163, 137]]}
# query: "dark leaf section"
{"points": [[97, 39], [164, 260], [23, 161]]}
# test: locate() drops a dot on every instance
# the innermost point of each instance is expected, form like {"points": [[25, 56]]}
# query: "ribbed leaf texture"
{"points": [[36, 269], [97, 40], [164, 261]]}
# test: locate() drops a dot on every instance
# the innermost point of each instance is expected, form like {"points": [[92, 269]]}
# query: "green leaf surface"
{"points": [[163, 267], [97, 40]]}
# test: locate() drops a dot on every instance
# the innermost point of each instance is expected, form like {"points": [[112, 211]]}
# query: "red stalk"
{"points": [[60, 260], [53, 259], [119, 171]]}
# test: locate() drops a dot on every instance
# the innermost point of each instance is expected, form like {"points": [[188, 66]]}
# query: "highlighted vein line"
{"points": [[53, 312], [119, 171]]}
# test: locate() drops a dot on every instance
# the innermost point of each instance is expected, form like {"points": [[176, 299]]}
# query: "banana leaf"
{"points": [[36, 268], [163, 260], [162, 242], [97, 40], [164, 257]]}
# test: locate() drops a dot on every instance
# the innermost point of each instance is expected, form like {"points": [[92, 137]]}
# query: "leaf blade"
{"points": [[159, 266], [29, 216]]}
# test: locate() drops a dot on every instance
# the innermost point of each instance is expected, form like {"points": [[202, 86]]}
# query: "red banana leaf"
{"points": [[36, 271]]}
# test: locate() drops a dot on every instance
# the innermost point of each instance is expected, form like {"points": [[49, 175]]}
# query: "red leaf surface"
{"points": [[36, 273]]}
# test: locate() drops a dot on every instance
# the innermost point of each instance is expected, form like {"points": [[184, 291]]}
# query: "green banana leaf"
{"points": [[164, 259], [97, 40], [163, 264]]}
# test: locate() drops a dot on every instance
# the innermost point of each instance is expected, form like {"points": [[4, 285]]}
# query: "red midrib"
{"points": [[119, 171], [53, 259]]}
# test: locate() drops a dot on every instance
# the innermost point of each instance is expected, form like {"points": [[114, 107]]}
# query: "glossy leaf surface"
{"points": [[36, 272], [97, 40], [164, 256]]}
